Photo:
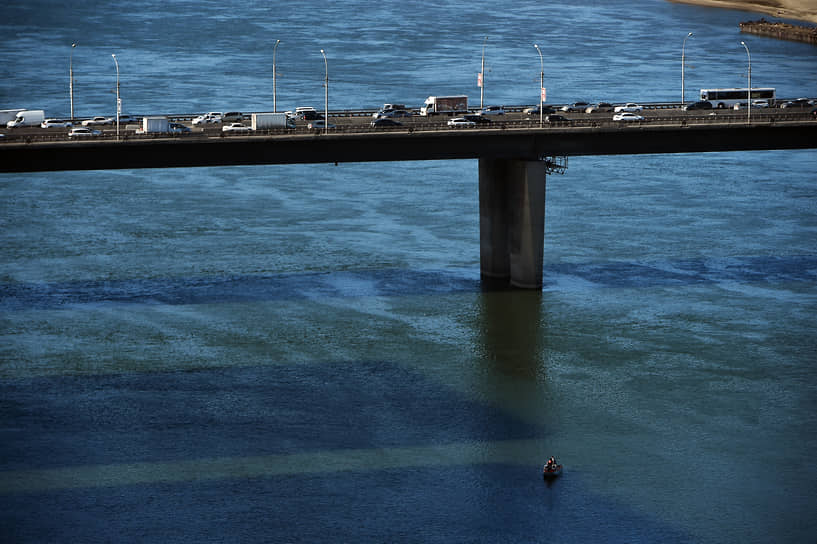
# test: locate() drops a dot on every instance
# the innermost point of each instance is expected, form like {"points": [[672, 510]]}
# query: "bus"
{"points": [[727, 98]]}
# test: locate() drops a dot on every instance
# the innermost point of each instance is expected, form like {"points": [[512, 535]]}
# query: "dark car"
{"points": [[385, 122], [534, 110], [310, 115], [600, 107], [478, 119], [232, 117], [557, 119], [179, 128], [702, 105], [799, 103]]}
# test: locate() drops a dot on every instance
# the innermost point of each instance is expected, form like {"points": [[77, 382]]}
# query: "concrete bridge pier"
{"points": [[511, 222]]}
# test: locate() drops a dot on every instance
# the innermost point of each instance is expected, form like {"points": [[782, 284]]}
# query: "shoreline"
{"points": [[799, 10]]}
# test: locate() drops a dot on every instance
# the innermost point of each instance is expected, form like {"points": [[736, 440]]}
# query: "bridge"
{"points": [[514, 159]]}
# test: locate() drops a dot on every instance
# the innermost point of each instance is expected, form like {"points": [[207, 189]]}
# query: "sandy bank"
{"points": [[801, 10]]}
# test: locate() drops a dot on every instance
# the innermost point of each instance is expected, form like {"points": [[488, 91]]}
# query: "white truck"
{"points": [[9, 115], [267, 121], [444, 105], [151, 125], [27, 118]]}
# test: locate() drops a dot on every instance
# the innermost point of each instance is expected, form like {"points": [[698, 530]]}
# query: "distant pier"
{"points": [[781, 31]]}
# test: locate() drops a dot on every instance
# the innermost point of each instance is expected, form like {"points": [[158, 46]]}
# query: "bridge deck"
{"points": [[404, 145]]}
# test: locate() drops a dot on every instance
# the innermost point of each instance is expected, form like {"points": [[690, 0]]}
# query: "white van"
{"points": [[27, 118]]}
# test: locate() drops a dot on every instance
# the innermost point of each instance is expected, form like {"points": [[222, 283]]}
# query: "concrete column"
{"points": [[512, 222]]}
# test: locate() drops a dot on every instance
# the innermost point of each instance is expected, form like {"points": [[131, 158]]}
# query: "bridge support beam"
{"points": [[511, 222]]}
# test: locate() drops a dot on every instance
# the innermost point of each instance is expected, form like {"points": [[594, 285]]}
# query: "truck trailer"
{"points": [[267, 121], [152, 125], [27, 118], [444, 105]]}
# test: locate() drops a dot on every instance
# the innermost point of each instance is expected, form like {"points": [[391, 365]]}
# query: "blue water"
{"points": [[304, 353]]}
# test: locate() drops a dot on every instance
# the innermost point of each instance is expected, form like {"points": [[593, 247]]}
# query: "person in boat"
{"points": [[551, 464]]}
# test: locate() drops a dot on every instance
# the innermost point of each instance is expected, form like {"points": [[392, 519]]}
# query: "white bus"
{"points": [[727, 98]]}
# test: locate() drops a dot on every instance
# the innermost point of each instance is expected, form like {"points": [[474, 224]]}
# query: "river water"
{"points": [[304, 353]]}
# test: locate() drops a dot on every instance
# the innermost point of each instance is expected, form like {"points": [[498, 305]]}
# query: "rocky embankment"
{"points": [[782, 31]]}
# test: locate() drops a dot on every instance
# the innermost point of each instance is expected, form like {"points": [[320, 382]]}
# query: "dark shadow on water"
{"points": [[399, 282], [511, 331]]}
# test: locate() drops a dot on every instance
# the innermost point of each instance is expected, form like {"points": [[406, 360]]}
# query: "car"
{"points": [[492, 110], [799, 103], [98, 121], [739, 105], [391, 113], [207, 118], [553, 118], [629, 106], [461, 122], [178, 128], [83, 132], [760, 103], [477, 118], [575, 106], [700, 105], [627, 116], [236, 127], [601, 106], [385, 122], [534, 110], [126, 119], [320, 123], [309, 115], [48, 123], [232, 117]]}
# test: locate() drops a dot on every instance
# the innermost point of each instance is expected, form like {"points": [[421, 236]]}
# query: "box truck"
{"points": [[153, 125], [444, 105], [267, 121], [27, 118]]}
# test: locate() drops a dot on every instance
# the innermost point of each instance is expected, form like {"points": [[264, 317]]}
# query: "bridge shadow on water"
{"points": [[153, 423]]}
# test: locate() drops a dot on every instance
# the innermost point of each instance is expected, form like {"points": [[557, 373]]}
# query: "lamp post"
{"points": [[117, 95], [683, 65], [482, 74], [749, 93], [274, 99], [326, 95], [71, 78], [541, 82]]}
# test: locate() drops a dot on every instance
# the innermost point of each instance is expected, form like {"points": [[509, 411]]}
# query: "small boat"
{"points": [[548, 473]]}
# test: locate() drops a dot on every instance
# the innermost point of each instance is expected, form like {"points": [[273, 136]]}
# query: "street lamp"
{"points": [[274, 102], [482, 74], [541, 82], [326, 96], [71, 78], [683, 91], [118, 104], [749, 93]]}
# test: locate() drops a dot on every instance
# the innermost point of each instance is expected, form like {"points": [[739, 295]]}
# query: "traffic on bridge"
{"points": [[437, 114]]}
